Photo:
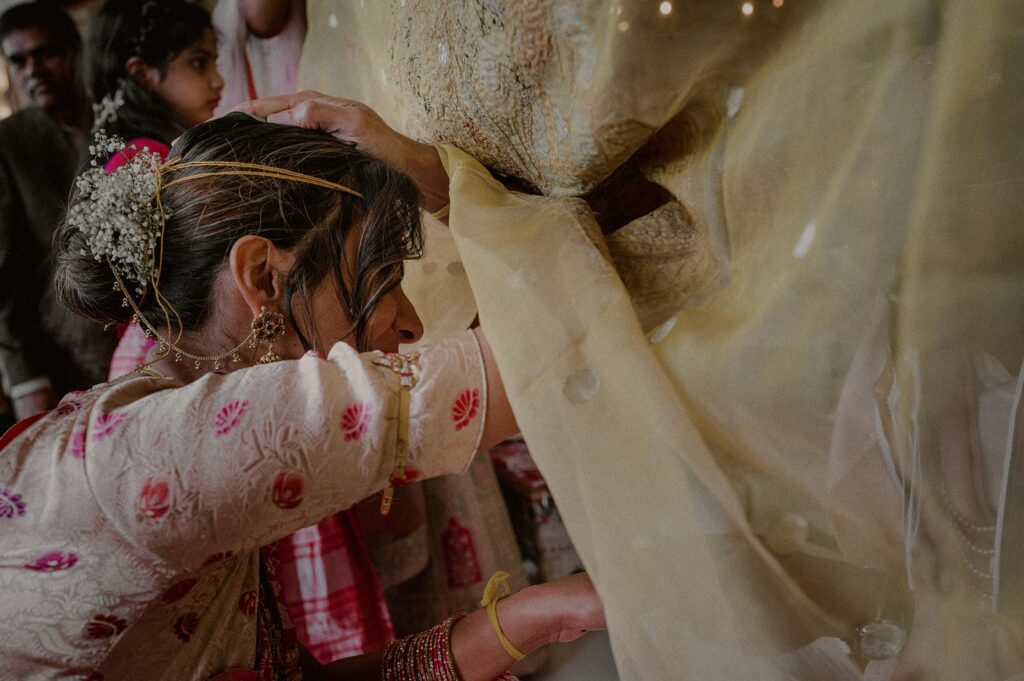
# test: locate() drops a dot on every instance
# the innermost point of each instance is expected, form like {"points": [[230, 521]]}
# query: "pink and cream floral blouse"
{"points": [[131, 516]]}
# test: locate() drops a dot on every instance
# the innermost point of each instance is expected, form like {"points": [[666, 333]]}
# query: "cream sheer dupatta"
{"points": [[819, 444]]}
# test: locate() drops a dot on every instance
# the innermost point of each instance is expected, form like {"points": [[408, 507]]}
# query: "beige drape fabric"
{"points": [[816, 443]]}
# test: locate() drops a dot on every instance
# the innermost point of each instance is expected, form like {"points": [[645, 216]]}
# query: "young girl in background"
{"points": [[153, 72], [153, 69]]}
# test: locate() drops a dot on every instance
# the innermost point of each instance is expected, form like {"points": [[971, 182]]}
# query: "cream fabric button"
{"points": [[788, 534], [881, 640]]}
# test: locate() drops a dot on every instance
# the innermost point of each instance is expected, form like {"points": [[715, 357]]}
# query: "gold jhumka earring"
{"points": [[268, 327]]}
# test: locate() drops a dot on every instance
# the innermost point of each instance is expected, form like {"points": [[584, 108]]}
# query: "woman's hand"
{"points": [[360, 125], [557, 611]]}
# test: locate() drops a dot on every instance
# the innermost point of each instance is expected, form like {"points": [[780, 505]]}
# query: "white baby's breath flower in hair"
{"points": [[105, 111], [117, 211]]}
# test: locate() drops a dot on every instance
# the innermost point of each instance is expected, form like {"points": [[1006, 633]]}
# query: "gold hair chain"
{"points": [[267, 327]]}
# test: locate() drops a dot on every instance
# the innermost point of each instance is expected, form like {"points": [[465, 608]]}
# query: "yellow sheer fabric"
{"points": [[819, 445]]}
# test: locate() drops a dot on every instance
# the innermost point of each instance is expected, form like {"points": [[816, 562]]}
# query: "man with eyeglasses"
{"points": [[44, 350]]}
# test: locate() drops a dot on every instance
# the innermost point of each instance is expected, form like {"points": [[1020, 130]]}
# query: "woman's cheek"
{"points": [[381, 336]]}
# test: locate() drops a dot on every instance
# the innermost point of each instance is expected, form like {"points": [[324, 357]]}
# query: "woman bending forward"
{"points": [[132, 516]]}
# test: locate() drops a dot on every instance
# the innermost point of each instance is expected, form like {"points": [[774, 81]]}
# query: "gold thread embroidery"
{"points": [[408, 369]]}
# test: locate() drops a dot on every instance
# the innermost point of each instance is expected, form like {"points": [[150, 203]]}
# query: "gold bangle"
{"points": [[490, 601]]}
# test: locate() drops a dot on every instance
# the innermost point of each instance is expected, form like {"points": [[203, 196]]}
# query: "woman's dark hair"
{"points": [[207, 216], [42, 14], [156, 31]]}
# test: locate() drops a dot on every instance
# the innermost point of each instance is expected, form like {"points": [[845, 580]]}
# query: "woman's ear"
{"points": [[258, 269], [139, 71]]}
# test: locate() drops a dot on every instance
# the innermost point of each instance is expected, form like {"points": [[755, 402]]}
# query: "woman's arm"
{"points": [[232, 462], [531, 618], [500, 423]]}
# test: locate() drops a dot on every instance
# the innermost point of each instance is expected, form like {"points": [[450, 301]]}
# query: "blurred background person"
{"points": [[44, 350], [260, 47]]}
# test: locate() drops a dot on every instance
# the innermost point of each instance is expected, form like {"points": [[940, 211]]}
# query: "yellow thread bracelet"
{"points": [[490, 601]]}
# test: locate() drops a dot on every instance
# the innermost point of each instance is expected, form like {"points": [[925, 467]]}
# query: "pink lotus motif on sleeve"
{"points": [[11, 505], [409, 475], [286, 491], [247, 603], [186, 626], [67, 407], [154, 498], [465, 407], [354, 420], [105, 424], [229, 417], [104, 626], [218, 558], [53, 562], [76, 448], [179, 590]]}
